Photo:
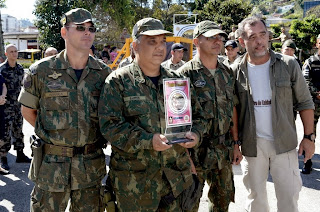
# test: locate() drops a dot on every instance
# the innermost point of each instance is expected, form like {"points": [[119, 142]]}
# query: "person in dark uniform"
{"points": [[12, 72]]}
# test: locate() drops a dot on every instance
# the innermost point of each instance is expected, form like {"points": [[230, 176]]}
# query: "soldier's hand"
{"points": [[159, 142], [308, 147], [194, 140], [237, 155]]}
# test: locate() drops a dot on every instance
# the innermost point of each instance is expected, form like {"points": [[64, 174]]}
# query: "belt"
{"points": [[70, 151]]}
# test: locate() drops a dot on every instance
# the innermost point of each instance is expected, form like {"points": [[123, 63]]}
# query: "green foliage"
{"points": [[2, 3], [227, 13], [26, 65], [276, 30], [276, 47], [304, 32]]}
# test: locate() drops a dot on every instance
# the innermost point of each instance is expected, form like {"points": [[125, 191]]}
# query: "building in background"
{"points": [[9, 23]]}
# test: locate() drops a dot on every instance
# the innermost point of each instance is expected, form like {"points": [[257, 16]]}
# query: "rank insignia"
{"points": [[55, 75]]}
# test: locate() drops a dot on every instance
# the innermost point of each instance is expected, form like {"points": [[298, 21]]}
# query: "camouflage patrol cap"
{"points": [[207, 29], [77, 16], [149, 26], [290, 44]]}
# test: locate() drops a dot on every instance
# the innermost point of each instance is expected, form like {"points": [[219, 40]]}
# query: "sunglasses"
{"points": [[216, 37], [82, 28]]}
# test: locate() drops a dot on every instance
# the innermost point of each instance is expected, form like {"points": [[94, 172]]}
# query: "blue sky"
{"points": [[19, 9]]}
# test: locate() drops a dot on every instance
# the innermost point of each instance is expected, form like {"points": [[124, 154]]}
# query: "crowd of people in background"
{"points": [[241, 113]]}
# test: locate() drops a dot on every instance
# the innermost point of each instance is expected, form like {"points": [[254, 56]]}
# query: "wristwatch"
{"points": [[311, 137], [237, 142]]}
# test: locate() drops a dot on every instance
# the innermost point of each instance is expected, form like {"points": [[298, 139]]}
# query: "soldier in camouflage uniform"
{"points": [[60, 98], [311, 72], [214, 85], [12, 72], [146, 173]]}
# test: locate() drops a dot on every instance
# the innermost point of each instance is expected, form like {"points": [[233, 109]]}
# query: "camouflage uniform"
{"points": [[67, 115], [12, 111], [311, 72], [213, 158], [131, 111], [169, 65]]}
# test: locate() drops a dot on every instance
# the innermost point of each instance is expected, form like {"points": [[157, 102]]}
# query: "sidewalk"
{"points": [[15, 188]]}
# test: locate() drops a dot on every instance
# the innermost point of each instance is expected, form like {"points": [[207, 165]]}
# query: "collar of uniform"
{"points": [[61, 62], [140, 77], [197, 64]]}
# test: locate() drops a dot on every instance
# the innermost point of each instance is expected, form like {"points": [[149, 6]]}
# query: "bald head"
{"points": [[50, 52]]}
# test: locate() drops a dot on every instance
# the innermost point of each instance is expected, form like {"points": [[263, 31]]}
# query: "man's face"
{"points": [[256, 40], [231, 52], [287, 51], [79, 40], [209, 45], [318, 45], [12, 53], [50, 53], [150, 49], [177, 54]]}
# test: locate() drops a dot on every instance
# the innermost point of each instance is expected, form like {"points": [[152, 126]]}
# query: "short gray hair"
{"points": [[252, 21], [10, 45]]}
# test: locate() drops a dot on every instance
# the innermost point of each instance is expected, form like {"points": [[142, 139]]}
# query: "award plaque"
{"points": [[178, 114]]}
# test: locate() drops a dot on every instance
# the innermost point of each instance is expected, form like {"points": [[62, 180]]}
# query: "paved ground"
{"points": [[15, 188]]}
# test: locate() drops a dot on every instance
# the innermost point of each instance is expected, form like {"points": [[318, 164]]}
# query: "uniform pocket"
{"points": [[54, 173], [95, 168]]}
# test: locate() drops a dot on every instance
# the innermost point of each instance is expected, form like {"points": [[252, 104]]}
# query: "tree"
{"points": [[2, 5], [305, 32], [227, 13]]}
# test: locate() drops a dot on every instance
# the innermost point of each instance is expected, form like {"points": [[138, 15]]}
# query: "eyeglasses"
{"points": [[82, 28], [216, 37]]}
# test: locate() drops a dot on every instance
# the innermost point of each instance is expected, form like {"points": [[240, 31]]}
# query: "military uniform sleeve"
{"points": [[306, 73], [29, 95], [302, 96], [113, 123]]}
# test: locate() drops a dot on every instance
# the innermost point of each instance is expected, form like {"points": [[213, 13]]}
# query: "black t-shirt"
{"points": [[78, 73], [155, 80]]}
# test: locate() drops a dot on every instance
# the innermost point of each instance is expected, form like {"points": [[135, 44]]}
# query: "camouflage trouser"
{"points": [[87, 199], [221, 188], [13, 130]]}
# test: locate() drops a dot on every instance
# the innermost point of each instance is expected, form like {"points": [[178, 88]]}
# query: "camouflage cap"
{"points": [[290, 44], [77, 16], [207, 29], [149, 26]]}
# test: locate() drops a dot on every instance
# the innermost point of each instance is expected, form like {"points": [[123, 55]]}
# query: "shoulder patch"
{"points": [[199, 83]]}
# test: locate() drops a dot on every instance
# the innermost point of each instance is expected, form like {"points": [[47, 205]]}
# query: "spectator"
{"points": [[284, 35], [124, 35], [289, 48], [12, 72], [269, 85], [50, 52], [113, 53], [175, 62], [232, 34], [232, 56]]}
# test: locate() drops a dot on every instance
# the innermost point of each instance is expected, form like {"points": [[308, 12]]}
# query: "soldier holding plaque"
{"points": [[214, 85], [147, 173]]}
